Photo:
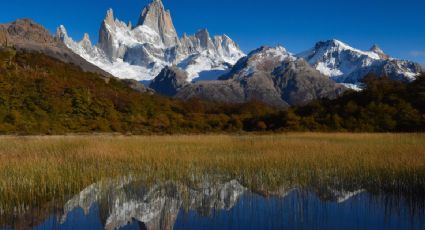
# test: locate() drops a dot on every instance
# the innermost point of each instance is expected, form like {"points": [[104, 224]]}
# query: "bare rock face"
{"points": [[172, 82], [107, 34], [85, 42], [157, 18], [277, 77], [270, 75], [169, 81], [298, 83], [26, 30], [27, 35], [105, 38], [217, 91], [204, 39], [137, 86]]}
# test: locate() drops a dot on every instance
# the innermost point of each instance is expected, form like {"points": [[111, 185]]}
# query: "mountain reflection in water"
{"points": [[130, 205]]}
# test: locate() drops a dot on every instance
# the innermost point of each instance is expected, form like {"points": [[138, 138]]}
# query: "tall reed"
{"points": [[36, 170]]}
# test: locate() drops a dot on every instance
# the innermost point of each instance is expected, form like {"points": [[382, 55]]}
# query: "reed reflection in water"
{"points": [[229, 205]]}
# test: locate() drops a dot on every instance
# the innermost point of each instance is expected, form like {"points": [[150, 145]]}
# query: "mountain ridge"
{"points": [[27, 35], [269, 75], [346, 64], [141, 52]]}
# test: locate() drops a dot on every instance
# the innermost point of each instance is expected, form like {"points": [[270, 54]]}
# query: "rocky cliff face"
{"points": [[137, 86], [217, 91], [24, 31], [269, 75], [169, 81], [298, 83], [106, 42], [159, 20], [275, 75], [25, 34], [143, 51]]}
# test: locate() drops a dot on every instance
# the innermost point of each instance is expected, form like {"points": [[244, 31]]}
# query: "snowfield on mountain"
{"points": [[345, 64], [143, 51]]}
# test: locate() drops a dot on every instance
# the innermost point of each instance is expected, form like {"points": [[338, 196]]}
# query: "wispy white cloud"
{"points": [[417, 53]]}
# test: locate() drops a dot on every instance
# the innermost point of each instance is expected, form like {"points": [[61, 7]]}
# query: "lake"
{"points": [[126, 204], [274, 181]]}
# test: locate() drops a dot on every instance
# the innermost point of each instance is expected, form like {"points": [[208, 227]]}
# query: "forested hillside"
{"points": [[41, 95], [384, 106]]}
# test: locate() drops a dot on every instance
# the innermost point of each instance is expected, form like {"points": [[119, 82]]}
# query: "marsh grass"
{"points": [[37, 170]]}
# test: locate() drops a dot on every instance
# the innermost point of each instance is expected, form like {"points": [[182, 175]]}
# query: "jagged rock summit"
{"points": [[141, 52], [157, 18], [152, 50], [376, 49]]}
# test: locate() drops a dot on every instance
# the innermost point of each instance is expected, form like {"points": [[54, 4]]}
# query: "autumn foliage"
{"points": [[41, 95]]}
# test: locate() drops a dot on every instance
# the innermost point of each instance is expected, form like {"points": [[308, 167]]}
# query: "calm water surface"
{"points": [[228, 206]]}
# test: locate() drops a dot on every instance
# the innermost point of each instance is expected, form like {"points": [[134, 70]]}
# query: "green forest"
{"points": [[41, 95]]}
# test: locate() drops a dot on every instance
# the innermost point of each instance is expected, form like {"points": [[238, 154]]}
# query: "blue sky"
{"points": [[397, 26]]}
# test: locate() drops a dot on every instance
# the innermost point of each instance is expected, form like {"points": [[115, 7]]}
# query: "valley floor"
{"points": [[36, 170]]}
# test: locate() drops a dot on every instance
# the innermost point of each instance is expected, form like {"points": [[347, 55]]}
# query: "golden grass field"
{"points": [[34, 170]]}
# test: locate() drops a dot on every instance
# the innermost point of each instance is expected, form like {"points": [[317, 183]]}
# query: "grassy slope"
{"points": [[34, 170]]}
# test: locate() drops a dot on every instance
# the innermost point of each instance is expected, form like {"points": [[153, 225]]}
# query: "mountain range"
{"points": [[180, 67], [345, 64], [47, 88], [142, 51], [270, 75], [205, 67]]}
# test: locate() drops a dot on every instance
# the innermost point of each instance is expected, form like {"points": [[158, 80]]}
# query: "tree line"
{"points": [[41, 95]]}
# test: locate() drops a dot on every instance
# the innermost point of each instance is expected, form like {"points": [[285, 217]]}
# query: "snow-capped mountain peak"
{"points": [[141, 52], [263, 59], [85, 42], [339, 46], [278, 52], [109, 19], [346, 64], [376, 49]]}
